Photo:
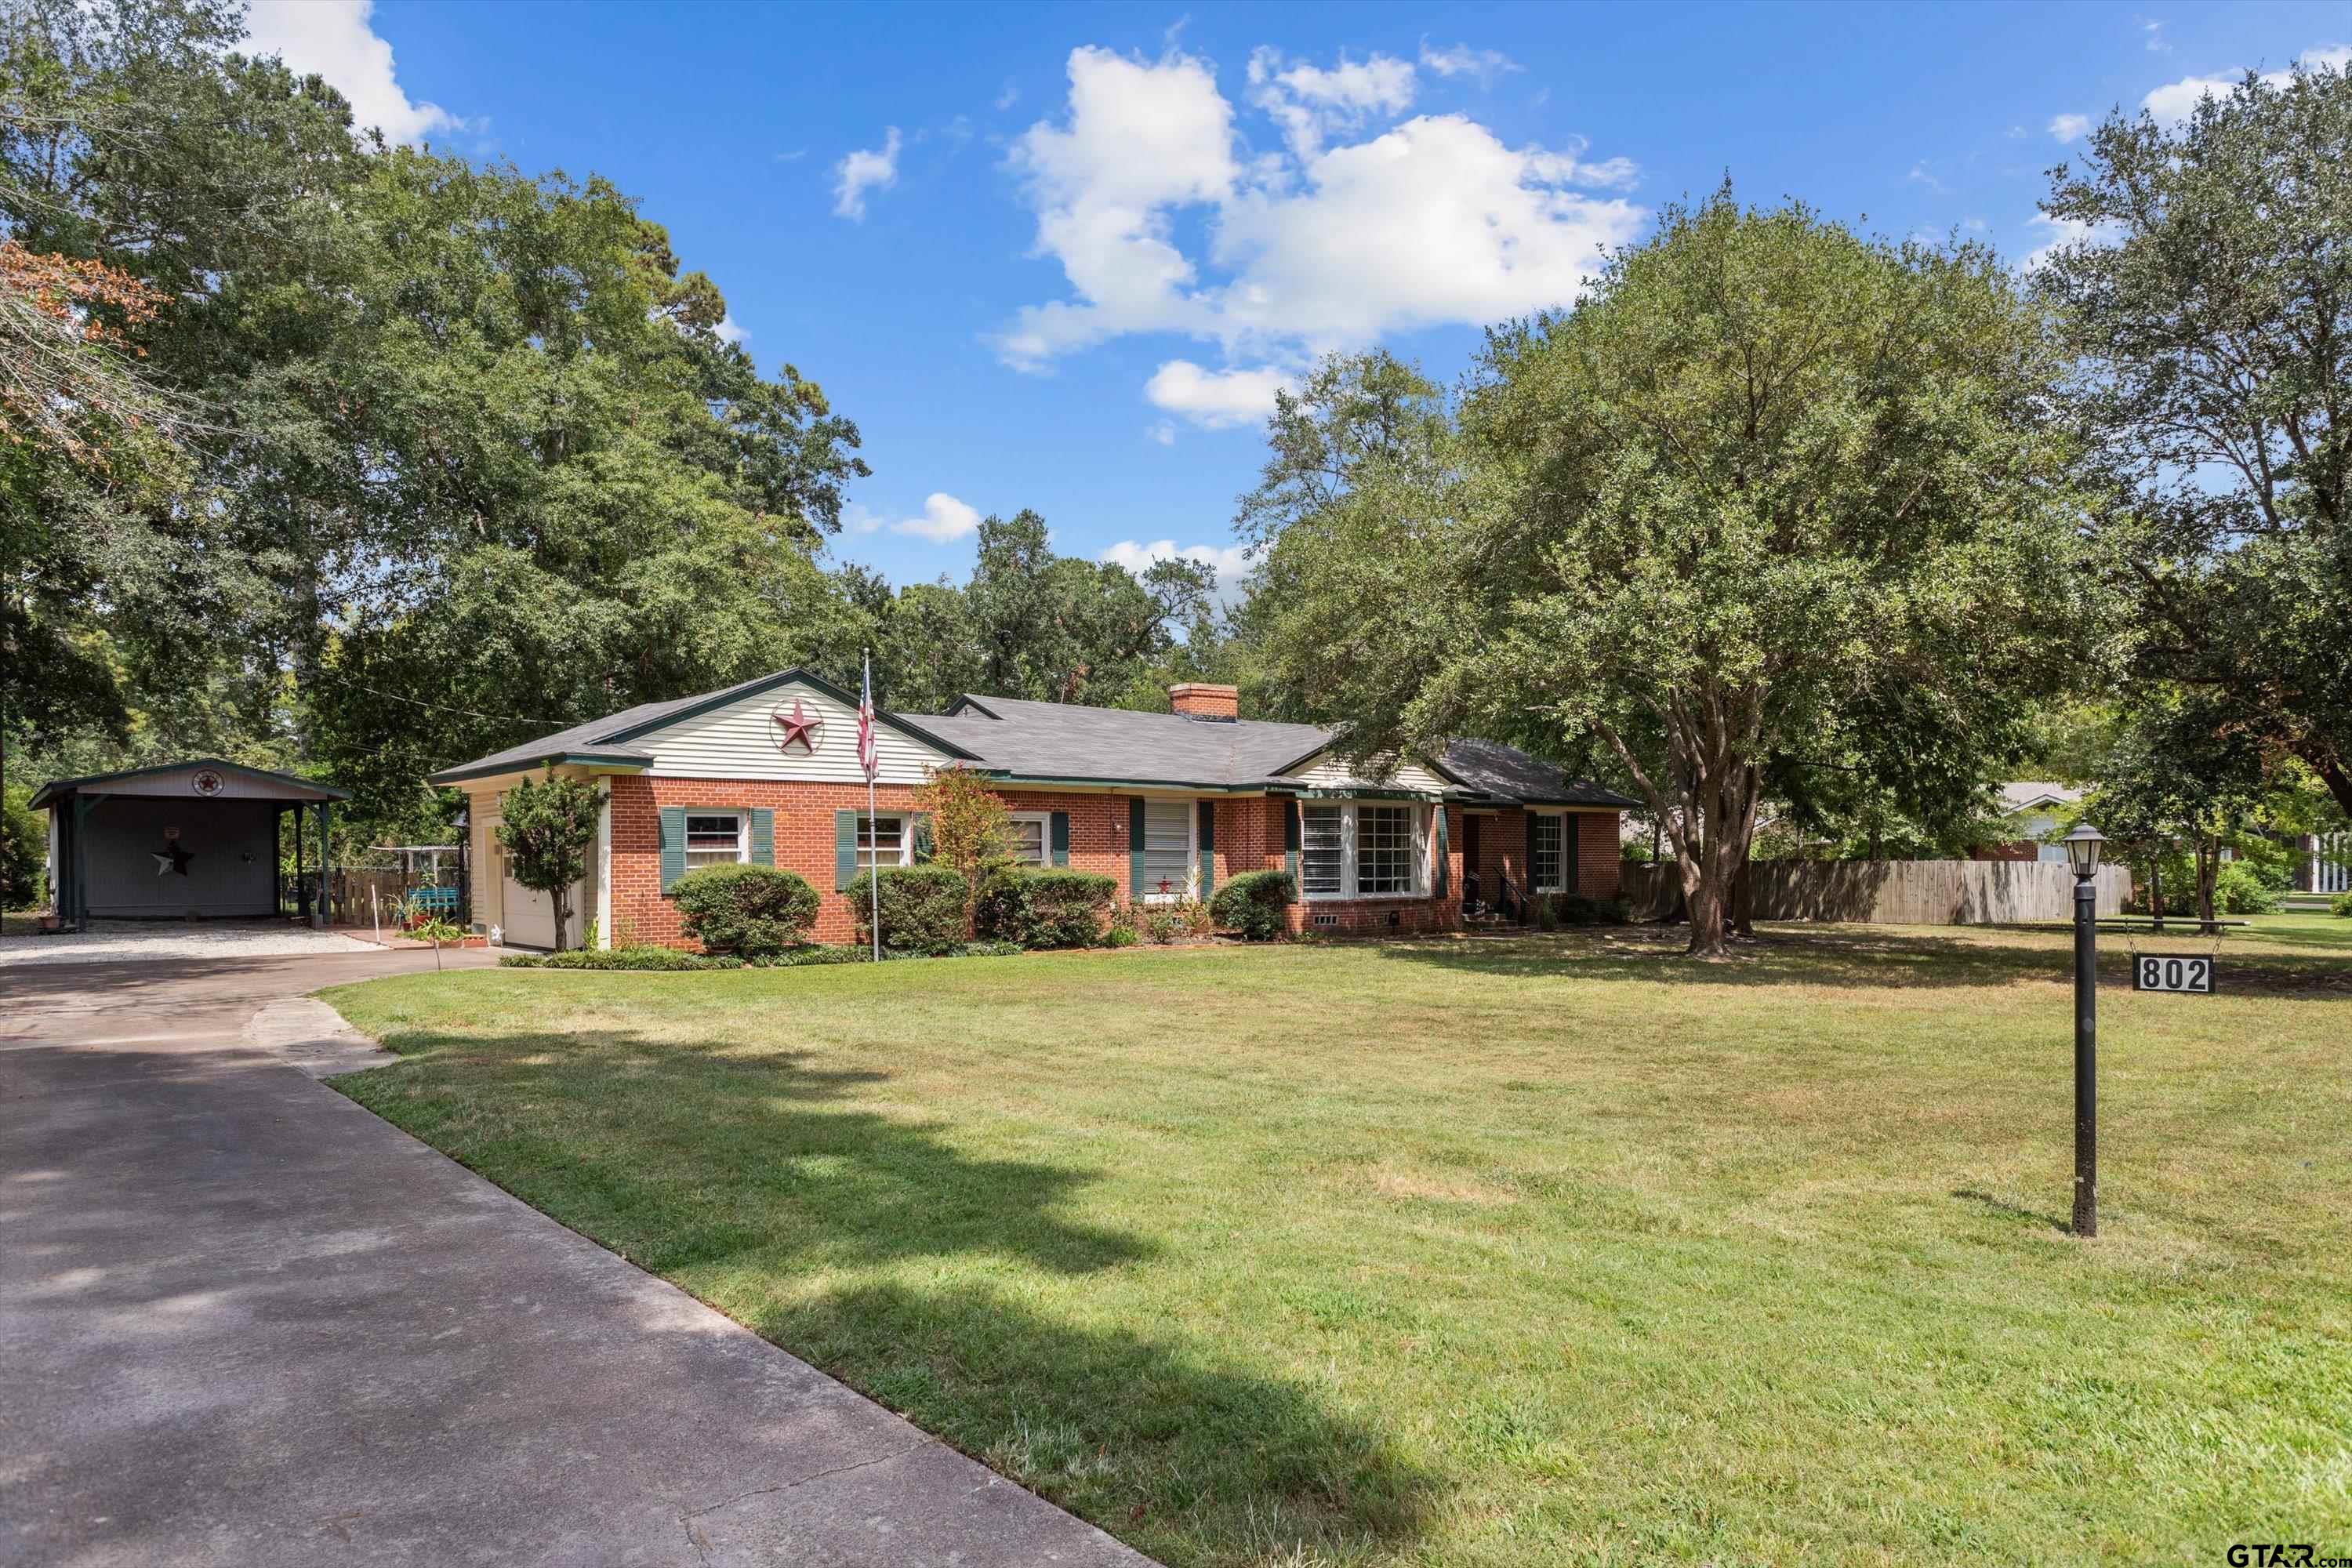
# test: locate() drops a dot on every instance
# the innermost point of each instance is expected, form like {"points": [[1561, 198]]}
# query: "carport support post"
{"points": [[79, 870], [301, 888], [325, 909]]}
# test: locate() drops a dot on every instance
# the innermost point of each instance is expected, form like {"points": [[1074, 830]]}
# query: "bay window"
{"points": [[1363, 849]]}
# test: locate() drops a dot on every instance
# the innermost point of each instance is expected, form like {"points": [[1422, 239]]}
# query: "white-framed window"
{"points": [[1367, 849], [1384, 850], [1322, 850], [882, 841], [1031, 839], [717, 838], [1547, 851], [1167, 849]]}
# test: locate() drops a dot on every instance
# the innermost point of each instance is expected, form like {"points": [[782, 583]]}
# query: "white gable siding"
{"points": [[739, 741], [1326, 770]]}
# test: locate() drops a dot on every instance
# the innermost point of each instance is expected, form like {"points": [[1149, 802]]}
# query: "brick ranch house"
{"points": [[1165, 804]]}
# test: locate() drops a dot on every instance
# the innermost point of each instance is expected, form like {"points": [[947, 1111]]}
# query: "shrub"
{"points": [[1576, 909], [1547, 912], [639, 958], [1045, 909], [2240, 890], [750, 910], [1172, 922], [2342, 907], [797, 957], [1252, 904], [923, 908]]}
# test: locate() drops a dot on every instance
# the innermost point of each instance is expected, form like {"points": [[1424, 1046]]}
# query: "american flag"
{"points": [[868, 762]]}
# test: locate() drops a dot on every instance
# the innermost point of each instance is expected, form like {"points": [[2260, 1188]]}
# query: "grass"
{"points": [[1555, 1250]]}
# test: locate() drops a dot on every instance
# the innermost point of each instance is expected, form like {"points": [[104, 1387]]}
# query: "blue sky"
{"points": [[1055, 257]]}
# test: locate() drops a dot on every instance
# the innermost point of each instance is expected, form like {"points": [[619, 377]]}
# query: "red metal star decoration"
{"points": [[800, 725]]}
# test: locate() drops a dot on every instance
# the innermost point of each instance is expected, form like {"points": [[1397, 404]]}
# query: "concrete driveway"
{"points": [[245, 1321]]}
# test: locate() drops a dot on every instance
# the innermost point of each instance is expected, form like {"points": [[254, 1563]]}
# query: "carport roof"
{"points": [[278, 786]]}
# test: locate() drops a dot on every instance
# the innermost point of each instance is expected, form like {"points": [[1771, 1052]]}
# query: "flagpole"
{"points": [[873, 872]]}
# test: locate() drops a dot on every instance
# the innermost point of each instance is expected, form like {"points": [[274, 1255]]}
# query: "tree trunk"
{"points": [[1743, 899], [2208, 872], [2155, 888], [560, 901]]}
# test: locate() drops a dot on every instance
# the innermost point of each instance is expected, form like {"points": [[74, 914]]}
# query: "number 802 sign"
{"points": [[2155, 972]]}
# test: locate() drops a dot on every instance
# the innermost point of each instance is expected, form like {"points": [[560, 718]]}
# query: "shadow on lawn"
{"points": [[1847, 956], [741, 1176]]}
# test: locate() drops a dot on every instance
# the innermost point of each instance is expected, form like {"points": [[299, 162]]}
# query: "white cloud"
{"points": [[859, 518], [2064, 232], [1009, 95], [1214, 398], [2157, 43], [1431, 221], [2068, 127], [1485, 65], [730, 331], [1310, 103], [1231, 561], [1921, 174], [331, 38], [862, 171], [1163, 431], [2176, 100], [944, 521]]}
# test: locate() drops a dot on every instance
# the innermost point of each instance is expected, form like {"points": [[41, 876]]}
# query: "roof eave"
{"points": [[587, 758]]}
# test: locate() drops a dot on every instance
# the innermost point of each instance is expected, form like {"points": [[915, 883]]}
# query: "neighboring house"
{"points": [[2323, 862], [2029, 813], [1167, 803]]}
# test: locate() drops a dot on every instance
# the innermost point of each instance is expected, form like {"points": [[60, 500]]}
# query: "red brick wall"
{"points": [[1599, 859], [1249, 837]]}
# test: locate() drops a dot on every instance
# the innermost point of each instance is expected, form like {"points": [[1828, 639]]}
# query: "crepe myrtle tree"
{"points": [[546, 830], [1765, 473]]}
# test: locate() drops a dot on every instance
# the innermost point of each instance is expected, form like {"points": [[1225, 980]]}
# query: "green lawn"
{"points": [[1562, 1250]]}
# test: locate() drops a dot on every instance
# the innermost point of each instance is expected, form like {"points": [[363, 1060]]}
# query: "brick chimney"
{"points": [[1199, 700]]}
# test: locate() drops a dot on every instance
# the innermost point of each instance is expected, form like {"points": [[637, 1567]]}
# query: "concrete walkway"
{"points": [[243, 1321]]}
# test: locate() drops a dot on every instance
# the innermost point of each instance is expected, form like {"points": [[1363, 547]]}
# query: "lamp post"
{"points": [[2083, 847]]}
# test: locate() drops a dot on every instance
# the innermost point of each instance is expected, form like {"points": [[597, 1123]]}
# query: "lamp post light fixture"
{"points": [[2083, 847]]}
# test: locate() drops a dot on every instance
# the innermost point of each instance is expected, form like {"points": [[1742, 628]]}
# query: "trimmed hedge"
{"points": [[1045, 909], [752, 911], [640, 958], [923, 907], [1252, 904], [2342, 907], [1576, 909]]}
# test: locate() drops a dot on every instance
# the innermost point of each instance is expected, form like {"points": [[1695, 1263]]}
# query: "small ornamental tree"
{"points": [[972, 833], [545, 830]]}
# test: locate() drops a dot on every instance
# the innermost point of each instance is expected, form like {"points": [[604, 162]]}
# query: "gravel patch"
{"points": [[116, 942]]}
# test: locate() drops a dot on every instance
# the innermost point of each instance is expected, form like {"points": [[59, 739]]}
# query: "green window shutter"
{"points": [[845, 850], [1572, 851], [1135, 847], [919, 824], [1061, 838], [763, 837], [672, 845], [1208, 836], [1290, 829], [1437, 876]]}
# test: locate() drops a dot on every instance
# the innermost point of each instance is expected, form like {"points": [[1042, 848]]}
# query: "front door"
{"points": [[1472, 883]]}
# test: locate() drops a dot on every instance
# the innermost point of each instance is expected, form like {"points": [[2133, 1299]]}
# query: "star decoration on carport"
{"points": [[800, 725], [171, 860]]}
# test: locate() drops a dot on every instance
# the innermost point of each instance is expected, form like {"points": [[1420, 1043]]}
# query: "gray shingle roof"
{"points": [[1029, 739], [1508, 772]]}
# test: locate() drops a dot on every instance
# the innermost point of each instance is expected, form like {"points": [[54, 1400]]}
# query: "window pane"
{"points": [[1167, 846], [1545, 854], [1318, 856], [879, 840], [713, 839], [1028, 840], [1384, 850]]}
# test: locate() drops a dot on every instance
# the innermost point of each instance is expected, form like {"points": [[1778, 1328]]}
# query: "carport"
{"points": [[183, 840]]}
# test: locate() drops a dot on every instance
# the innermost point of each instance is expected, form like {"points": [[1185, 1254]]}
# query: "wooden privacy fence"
{"points": [[1892, 892]]}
